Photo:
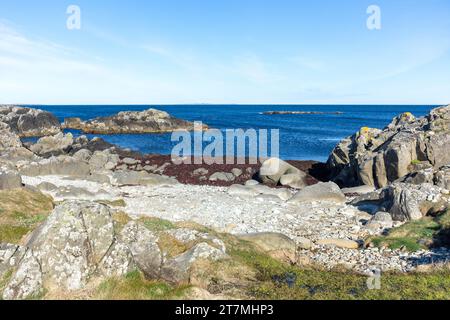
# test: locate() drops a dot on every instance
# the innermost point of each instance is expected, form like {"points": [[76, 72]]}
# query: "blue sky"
{"points": [[225, 51]]}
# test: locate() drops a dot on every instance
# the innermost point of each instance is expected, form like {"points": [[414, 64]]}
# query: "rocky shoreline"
{"points": [[108, 199]]}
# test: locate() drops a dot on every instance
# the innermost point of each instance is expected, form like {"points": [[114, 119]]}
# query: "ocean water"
{"points": [[302, 137]]}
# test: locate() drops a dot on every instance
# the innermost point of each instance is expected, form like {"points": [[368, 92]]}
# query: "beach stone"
{"points": [[319, 192], [222, 176], [273, 169], [251, 183], [380, 220], [200, 172], [237, 172], [130, 161], [294, 180], [276, 244], [340, 243]]}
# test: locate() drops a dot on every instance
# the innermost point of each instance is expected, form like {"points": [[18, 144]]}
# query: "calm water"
{"points": [[302, 137]]}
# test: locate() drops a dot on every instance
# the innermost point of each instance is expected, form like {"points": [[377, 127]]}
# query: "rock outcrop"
{"points": [[29, 122], [9, 179], [148, 121], [405, 201], [80, 241], [53, 145], [379, 157]]}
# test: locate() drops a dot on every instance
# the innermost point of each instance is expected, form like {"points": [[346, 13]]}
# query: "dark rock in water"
{"points": [[379, 157], [28, 122], [299, 112], [148, 121]]}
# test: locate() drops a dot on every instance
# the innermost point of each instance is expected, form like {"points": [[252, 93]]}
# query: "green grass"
{"points": [[415, 235], [156, 224], [276, 280], [21, 211], [4, 281], [134, 286]]}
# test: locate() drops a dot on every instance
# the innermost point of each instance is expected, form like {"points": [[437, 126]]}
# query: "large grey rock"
{"points": [[442, 177], [319, 192], [53, 145], [404, 201], [103, 160], [10, 256], [62, 165], [377, 158], [276, 244], [27, 281], [9, 179], [273, 169], [410, 202], [65, 250], [28, 122], [143, 245], [8, 139], [177, 270], [148, 121]]}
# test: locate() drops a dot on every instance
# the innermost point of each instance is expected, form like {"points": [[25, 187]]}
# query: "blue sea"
{"points": [[302, 137]]}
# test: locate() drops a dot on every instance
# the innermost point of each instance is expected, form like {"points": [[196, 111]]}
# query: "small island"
{"points": [[300, 112]]}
